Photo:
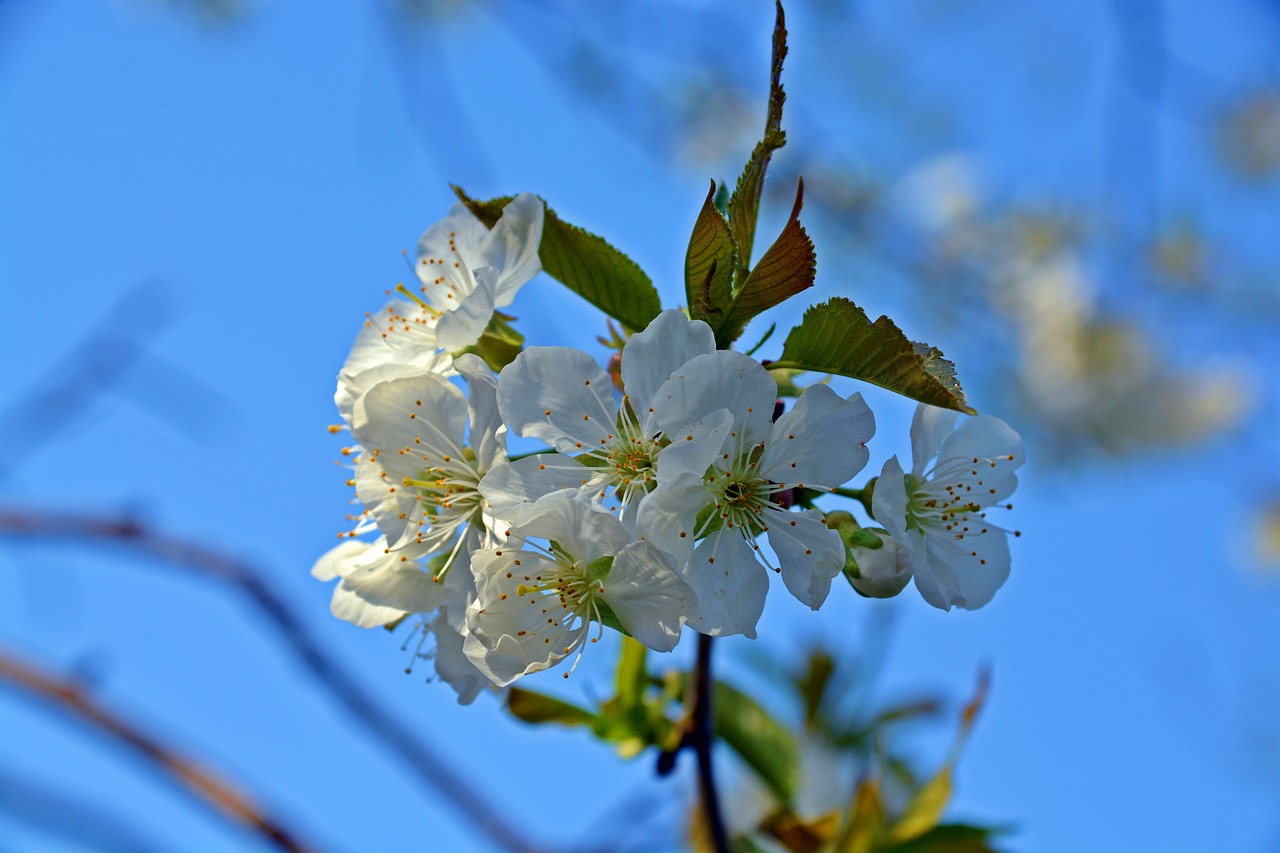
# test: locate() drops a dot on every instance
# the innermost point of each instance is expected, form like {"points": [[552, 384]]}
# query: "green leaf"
{"points": [[499, 344], [708, 265], [586, 264], [787, 267], [744, 204], [948, 838], [866, 816], [766, 746], [538, 708], [836, 337], [924, 809], [814, 683], [631, 678]]}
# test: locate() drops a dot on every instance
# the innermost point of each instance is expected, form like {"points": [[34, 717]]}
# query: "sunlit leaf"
{"points": [[787, 267], [538, 708], [836, 337], [709, 265], [798, 835], [586, 264], [925, 809], [631, 677], [767, 747], [866, 816], [948, 838]]}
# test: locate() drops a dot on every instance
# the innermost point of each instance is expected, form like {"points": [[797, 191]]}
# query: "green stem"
{"points": [[862, 496]]}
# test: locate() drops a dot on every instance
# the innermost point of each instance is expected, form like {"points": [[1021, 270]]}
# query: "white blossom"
{"points": [[939, 512], [464, 272], [421, 467], [535, 604], [561, 396], [819, 444]]}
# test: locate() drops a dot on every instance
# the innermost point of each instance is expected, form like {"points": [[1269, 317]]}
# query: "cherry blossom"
{"points": [[939, 512]]}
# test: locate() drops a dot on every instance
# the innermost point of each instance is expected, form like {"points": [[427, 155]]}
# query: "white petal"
{"points": [[730, 585], [394, 508], [649, 598], [350, 607], [585, 532], [568, 384], [889, 499], [669, 513], [512, 487], [463, 324], [351, 387], [421, 415], [452, 665], [930, 426], [342, 558], [985, 437], [399, 585], [458, 236], [650, 357], [809, 553], [512, 246], [487, 435], [401, 333], [720, 380], [968, 575], [821, 441], [694, 448]]}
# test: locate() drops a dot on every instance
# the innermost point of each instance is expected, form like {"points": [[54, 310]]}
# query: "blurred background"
{"points": [[1079, 203]]}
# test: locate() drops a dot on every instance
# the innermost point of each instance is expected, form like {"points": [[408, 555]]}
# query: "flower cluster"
{"points": [[665, 495]]}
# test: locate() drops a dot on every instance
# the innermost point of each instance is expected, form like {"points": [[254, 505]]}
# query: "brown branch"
{"points": [[405, 745], [701, 737], [204, 786]]}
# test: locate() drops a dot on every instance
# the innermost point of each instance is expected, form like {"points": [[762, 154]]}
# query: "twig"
{"points": [[406, 745], [702, 737], [201, 784]]}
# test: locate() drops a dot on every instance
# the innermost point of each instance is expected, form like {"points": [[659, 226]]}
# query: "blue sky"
{"points": [[233, 199]]}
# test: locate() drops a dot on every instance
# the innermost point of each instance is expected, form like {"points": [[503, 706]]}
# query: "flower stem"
{"points": [[862, 495], [702, 737]]}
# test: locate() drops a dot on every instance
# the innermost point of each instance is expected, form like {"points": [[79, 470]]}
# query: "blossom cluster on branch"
{"points": [[670, 487]]}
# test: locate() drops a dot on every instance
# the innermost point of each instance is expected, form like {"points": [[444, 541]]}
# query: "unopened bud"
{"points": [[880, 572]]}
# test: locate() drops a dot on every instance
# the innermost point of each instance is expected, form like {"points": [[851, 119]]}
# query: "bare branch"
{"points": [[404, 744], [203, 785]]}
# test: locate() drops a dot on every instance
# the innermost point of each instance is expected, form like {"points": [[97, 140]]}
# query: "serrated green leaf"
{"points": [[744, 204], [767, 747], [708, 265], [836, 337], [787, 267], [586, 264], [538, 708]]}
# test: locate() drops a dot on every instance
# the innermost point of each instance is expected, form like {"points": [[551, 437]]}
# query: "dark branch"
{"points": [[702, 737], [406, 745], [201, 784]]}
